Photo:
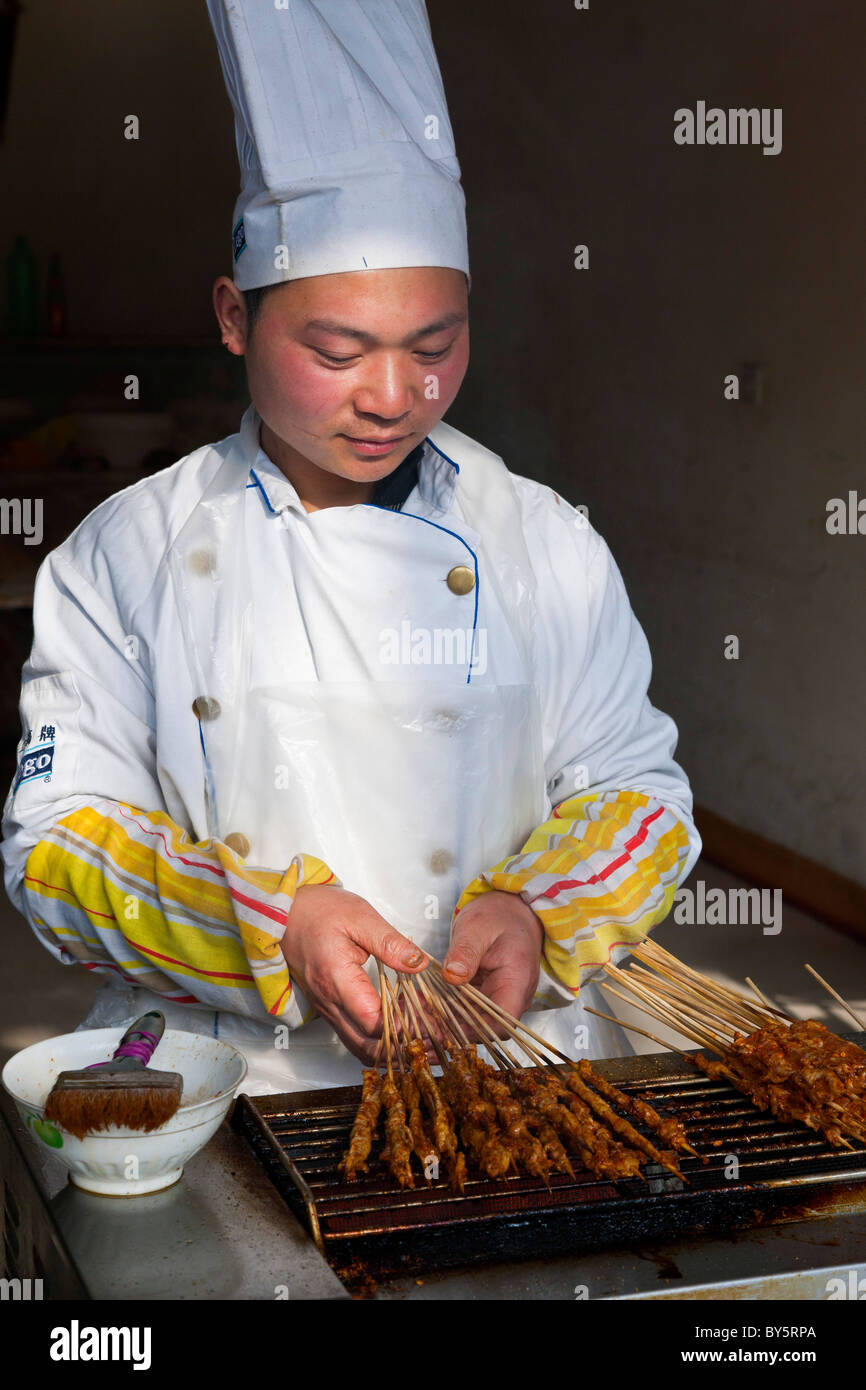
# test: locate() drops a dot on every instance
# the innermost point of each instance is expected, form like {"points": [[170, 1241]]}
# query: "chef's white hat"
{"points": [[346, 151]]}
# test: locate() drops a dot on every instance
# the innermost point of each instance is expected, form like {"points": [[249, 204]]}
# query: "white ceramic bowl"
{"points": [[126, 1162]]}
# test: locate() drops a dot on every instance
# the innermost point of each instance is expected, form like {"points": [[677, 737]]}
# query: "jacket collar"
{"points": [[437, 473]]}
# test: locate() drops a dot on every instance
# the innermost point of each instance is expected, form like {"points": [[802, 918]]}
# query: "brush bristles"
{"points": [[83, 1110]]}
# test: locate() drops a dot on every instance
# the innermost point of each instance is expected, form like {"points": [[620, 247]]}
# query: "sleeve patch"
{"points": [[49, 752], [38, 759]]}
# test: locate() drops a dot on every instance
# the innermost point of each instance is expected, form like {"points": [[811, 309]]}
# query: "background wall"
{"points": [[607, 383]]}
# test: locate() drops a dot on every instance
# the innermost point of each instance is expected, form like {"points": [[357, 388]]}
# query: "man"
{"points": [[341, 687]]}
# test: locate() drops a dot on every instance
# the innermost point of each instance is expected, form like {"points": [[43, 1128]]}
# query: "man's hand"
{"points": [[329, 937], [496, 946]]}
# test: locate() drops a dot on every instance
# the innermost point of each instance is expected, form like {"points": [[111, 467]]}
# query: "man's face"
{"points": [[337, 364]]}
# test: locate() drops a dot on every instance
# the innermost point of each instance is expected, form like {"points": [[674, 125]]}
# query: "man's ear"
{"points": [[231, 312]]}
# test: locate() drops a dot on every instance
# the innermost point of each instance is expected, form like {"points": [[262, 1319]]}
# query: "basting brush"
{"points": [[122, 1091]]}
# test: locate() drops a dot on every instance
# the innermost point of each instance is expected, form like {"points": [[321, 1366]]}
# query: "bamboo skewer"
{"points": [[396, 1013], [830, 990], [407, 1021], [446, 1008], [413, 986], [662, 1017], [459, 1006], [491, 1042], [633, 1028], [639, 980], [438, 1013], [754, 987], [386, 1025], [650, 950], [504, 1017], [671, 1016], [722, 1006], [688, 1005]]}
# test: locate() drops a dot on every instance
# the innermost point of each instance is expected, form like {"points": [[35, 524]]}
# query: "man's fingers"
{"points": [[467, 950], [511, 986], [383, 941], [357, 998]]}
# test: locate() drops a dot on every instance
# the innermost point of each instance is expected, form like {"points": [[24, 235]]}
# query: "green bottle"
{"points": [[22, 290]]}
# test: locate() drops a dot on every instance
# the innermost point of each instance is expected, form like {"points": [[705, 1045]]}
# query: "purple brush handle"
{"points": [[142, 1050], [138, 1041]]}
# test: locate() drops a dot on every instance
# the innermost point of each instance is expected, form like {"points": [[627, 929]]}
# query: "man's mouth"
{"points": [[374, 444]]}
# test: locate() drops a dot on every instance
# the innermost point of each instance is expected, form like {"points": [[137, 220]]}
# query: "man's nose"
{"points": [[386, 391]]}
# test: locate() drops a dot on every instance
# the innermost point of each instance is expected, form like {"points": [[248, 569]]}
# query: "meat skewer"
{"points": [[547, 1135], [576, 1125], [398, 1139], [788, 1082], [443, 1127], [509, 1117], [573, 1118], [666, 1127], [441, 1116], [524, 1146], [795, 1068], [477, 1118], [767, 1098], [575, 1083], [354, 1160], [397, 1135], [422, 1145]]}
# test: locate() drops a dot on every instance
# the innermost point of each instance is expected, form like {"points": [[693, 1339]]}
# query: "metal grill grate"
{"points": [[300, 1138]]}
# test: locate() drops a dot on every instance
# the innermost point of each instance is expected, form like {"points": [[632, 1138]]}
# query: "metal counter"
{"points": [[224, 1233]]}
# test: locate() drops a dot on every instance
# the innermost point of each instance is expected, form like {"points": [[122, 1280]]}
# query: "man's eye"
{"points": [[440, 352], [329, 357], [343, 361]]}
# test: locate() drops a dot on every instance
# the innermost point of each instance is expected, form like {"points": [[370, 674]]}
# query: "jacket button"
{"points": [[441, 861], [461, 580], [238, 842], [205, 707]]}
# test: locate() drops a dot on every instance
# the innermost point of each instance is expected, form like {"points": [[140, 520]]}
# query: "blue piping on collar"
{"points": [[435, 447], [427, 440], [261, 489]]}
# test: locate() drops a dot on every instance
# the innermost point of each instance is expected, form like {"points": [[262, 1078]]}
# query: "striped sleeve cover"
{"points": [[599, 875], [115, 888]]}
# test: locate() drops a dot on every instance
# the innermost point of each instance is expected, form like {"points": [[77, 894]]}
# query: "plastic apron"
{"points": [[406, 786]]}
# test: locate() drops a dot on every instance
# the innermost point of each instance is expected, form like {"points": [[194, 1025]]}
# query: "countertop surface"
{"points": [[223, 1232]]}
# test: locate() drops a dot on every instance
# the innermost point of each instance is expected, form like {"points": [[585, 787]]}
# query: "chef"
{"points": [[341, 688]]}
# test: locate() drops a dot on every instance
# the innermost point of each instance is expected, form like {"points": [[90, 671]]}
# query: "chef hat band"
{"points": [[346, 150]]}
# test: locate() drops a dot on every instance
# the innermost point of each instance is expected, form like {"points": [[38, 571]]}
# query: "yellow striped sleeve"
{"points": [[599, 874], [116, 888]]}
